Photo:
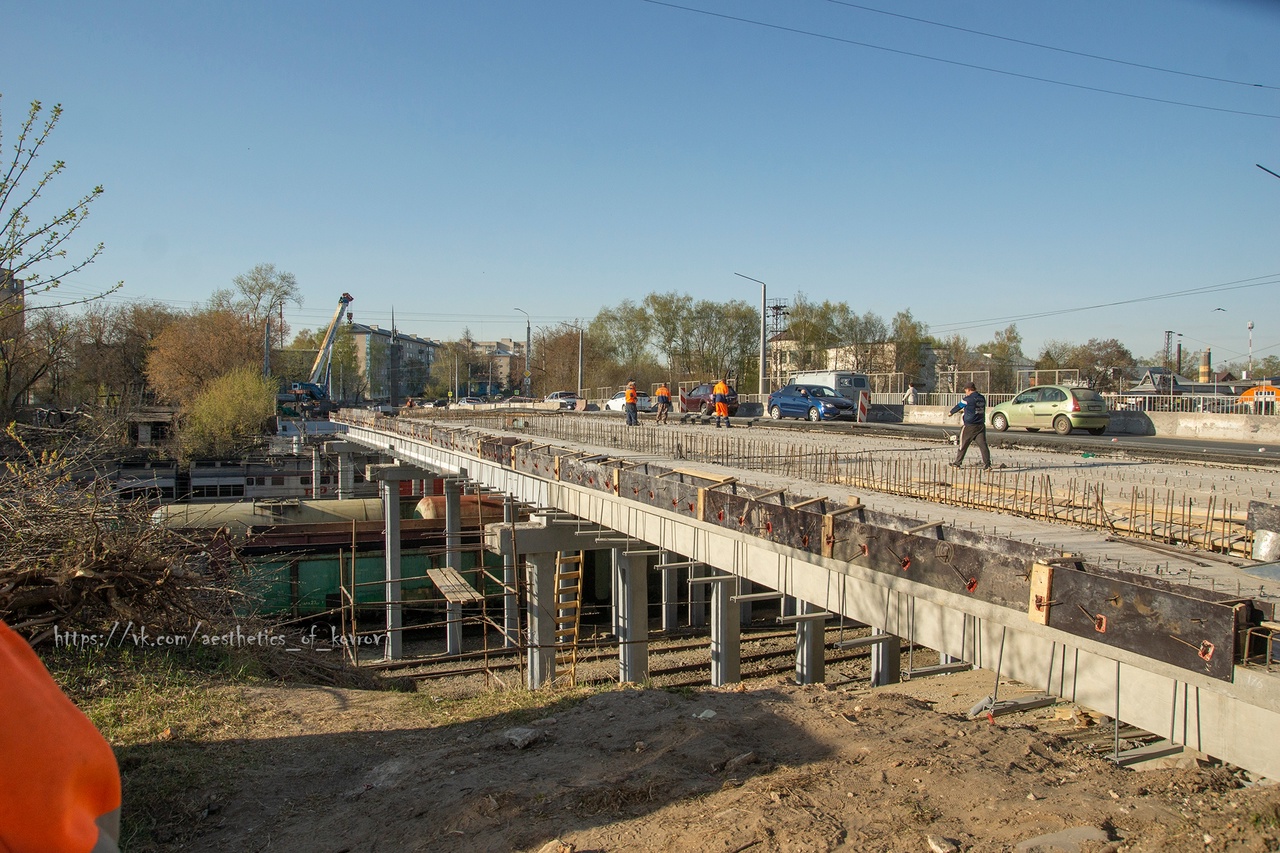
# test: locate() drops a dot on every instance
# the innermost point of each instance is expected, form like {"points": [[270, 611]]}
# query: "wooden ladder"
{"points": [[568, 608]]}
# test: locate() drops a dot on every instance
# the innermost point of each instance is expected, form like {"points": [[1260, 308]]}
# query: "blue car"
{"points": [[815, 402]]}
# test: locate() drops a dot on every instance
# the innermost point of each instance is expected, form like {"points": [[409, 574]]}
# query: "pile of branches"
{"points": [[75, 558]]}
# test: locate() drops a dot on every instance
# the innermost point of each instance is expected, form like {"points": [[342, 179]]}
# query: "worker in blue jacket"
{"points": [[974, 406]]}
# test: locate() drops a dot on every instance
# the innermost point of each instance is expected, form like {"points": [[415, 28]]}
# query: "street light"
{"points": [[1250, 327], [528, 345]]}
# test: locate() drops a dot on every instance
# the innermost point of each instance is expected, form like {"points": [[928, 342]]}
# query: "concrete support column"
{"points": [[670, 593], [726, 628], [317, 469], [788, 606], [453, 559], [811, 658], [633, 623], [746, 588], [697, 597], [615, 584], [886, 661], [510, 598], [390, 490], [541, 585], [346, 477]]}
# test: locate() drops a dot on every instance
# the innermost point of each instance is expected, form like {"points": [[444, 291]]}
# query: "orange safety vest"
{"points": [[663, 394], [60, 787], [719, 393], [632, 396]]}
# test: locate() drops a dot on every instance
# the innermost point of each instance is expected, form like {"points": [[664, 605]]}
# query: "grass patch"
{"points": [[171, 716], [503, 707]]}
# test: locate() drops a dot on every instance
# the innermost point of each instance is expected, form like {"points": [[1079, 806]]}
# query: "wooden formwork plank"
{"points": [[453, 586]]}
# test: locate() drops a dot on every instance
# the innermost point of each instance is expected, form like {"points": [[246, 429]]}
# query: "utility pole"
{"points": [[528, 345], [764, 338]]}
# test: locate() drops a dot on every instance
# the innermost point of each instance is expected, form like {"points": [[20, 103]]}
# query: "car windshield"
{"points": [[1087, 394]]}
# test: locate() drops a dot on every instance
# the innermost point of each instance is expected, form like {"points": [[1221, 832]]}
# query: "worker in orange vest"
{"points": [[630, 401], [663, 396], [720, 397], [60, 790]]}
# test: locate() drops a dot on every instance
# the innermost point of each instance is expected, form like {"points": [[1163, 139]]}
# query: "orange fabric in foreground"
{"points": [[57, 773]]}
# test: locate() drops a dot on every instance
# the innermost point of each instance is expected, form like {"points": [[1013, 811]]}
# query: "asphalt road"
{"points": [[1156, 447]]}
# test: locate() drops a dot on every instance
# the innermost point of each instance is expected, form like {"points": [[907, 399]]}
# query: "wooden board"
{"points": [[453, 586]]}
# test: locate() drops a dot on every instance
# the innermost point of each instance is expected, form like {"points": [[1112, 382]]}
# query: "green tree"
{"points": [[1103, 364], [625, 333], [672, 328], [229, 416], [910, 337], [35, 258], [858, 336], [812, 331], [1004, 352]]}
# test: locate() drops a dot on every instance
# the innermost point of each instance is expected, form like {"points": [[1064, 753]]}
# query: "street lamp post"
{"points": [[764, 341], [528, 345], [1250, 327]]}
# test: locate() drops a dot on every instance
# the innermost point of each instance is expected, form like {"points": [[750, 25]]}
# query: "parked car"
{"points": [[615, 403], [815, 402], [699, 400], [566, 399], [1061, 408], [470, 401]]}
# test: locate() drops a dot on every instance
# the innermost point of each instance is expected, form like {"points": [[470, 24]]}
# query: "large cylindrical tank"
{"points": [[239, 516], [487, 509]]}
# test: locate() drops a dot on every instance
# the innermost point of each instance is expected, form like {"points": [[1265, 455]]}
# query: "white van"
{"points": [[845, 382]]}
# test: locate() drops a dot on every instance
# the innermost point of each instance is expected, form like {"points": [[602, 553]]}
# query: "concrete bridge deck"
{"points": [[1140, 640]]}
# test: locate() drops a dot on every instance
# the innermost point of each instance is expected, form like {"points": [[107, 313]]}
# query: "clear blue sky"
{"points": [[458, 159]]}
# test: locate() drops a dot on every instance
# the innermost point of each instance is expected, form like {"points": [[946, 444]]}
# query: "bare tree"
{"points": [[34, 257], [259, 294]]}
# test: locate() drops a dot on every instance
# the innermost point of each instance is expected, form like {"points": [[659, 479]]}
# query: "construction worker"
{"points": [[630, 401], [663, 396], [974, 429], [720, 397], [60, 791]]}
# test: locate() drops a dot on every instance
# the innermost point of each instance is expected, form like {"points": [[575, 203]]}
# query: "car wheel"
{"points": [[775, 413], [815, 415], [709, 410], [1097, 430], [999, 422], [1062, 425]]}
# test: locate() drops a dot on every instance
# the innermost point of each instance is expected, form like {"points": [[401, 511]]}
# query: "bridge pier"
{"points": [[345, 486], [811, 634], [886, 659], [670, 593], [510, 595], [542, 623], [632, 597], [726, 628], [453, 559]]}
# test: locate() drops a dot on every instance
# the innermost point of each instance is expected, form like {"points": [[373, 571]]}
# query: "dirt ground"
{"points": [[767, 767]]}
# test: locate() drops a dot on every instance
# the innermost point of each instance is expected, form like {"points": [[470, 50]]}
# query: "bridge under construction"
{"points": [[1096, 582]]}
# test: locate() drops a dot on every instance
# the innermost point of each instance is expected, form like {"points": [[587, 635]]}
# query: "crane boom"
{"points": [[321, 366], [315, 386]]}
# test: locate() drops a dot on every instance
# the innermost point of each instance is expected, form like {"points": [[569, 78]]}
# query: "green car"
{"points": [[1057, 407]]}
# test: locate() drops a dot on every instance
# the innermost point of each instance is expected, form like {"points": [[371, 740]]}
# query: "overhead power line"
{"points": [[1259, 281], [1065, 50], [954, 62]]}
